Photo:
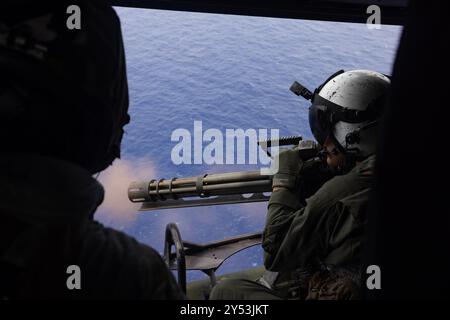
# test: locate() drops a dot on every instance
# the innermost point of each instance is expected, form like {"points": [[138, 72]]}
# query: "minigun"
{"points": [[207, 189]]}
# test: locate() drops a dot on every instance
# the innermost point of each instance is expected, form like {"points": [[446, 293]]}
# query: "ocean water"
{"points": [[228, 72]]}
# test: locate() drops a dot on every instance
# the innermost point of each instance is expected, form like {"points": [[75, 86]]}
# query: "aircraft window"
{"points": [[228, 72]]}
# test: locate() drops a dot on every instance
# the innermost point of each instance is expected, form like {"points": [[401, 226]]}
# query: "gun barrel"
{"points": [[165, 193], [212, 189]]}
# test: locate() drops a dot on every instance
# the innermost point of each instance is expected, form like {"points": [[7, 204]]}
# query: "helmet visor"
{"points": [[318, 123]]}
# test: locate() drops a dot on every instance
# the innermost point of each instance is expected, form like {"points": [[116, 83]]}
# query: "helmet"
{"points": [[346, 108], [63, 93]]}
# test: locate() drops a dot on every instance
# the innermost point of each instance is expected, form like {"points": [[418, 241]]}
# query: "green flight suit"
{"points": [[329, 230]]}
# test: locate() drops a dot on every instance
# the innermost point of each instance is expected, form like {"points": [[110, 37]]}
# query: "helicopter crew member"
{"points": [[312, 244], [63, 106]]}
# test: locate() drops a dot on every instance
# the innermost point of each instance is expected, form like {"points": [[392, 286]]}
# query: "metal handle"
{"points": [[173, 238]]}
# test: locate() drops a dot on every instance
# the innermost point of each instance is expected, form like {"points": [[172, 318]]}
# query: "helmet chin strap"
{"points": [[350, 163], [350, 158]]}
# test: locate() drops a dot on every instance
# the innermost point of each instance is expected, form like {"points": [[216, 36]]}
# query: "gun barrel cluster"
{"points": [[208, 189], [201, 186]]}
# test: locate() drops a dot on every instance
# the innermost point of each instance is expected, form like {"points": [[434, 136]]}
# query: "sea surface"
{"points": [[228, 72]]}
